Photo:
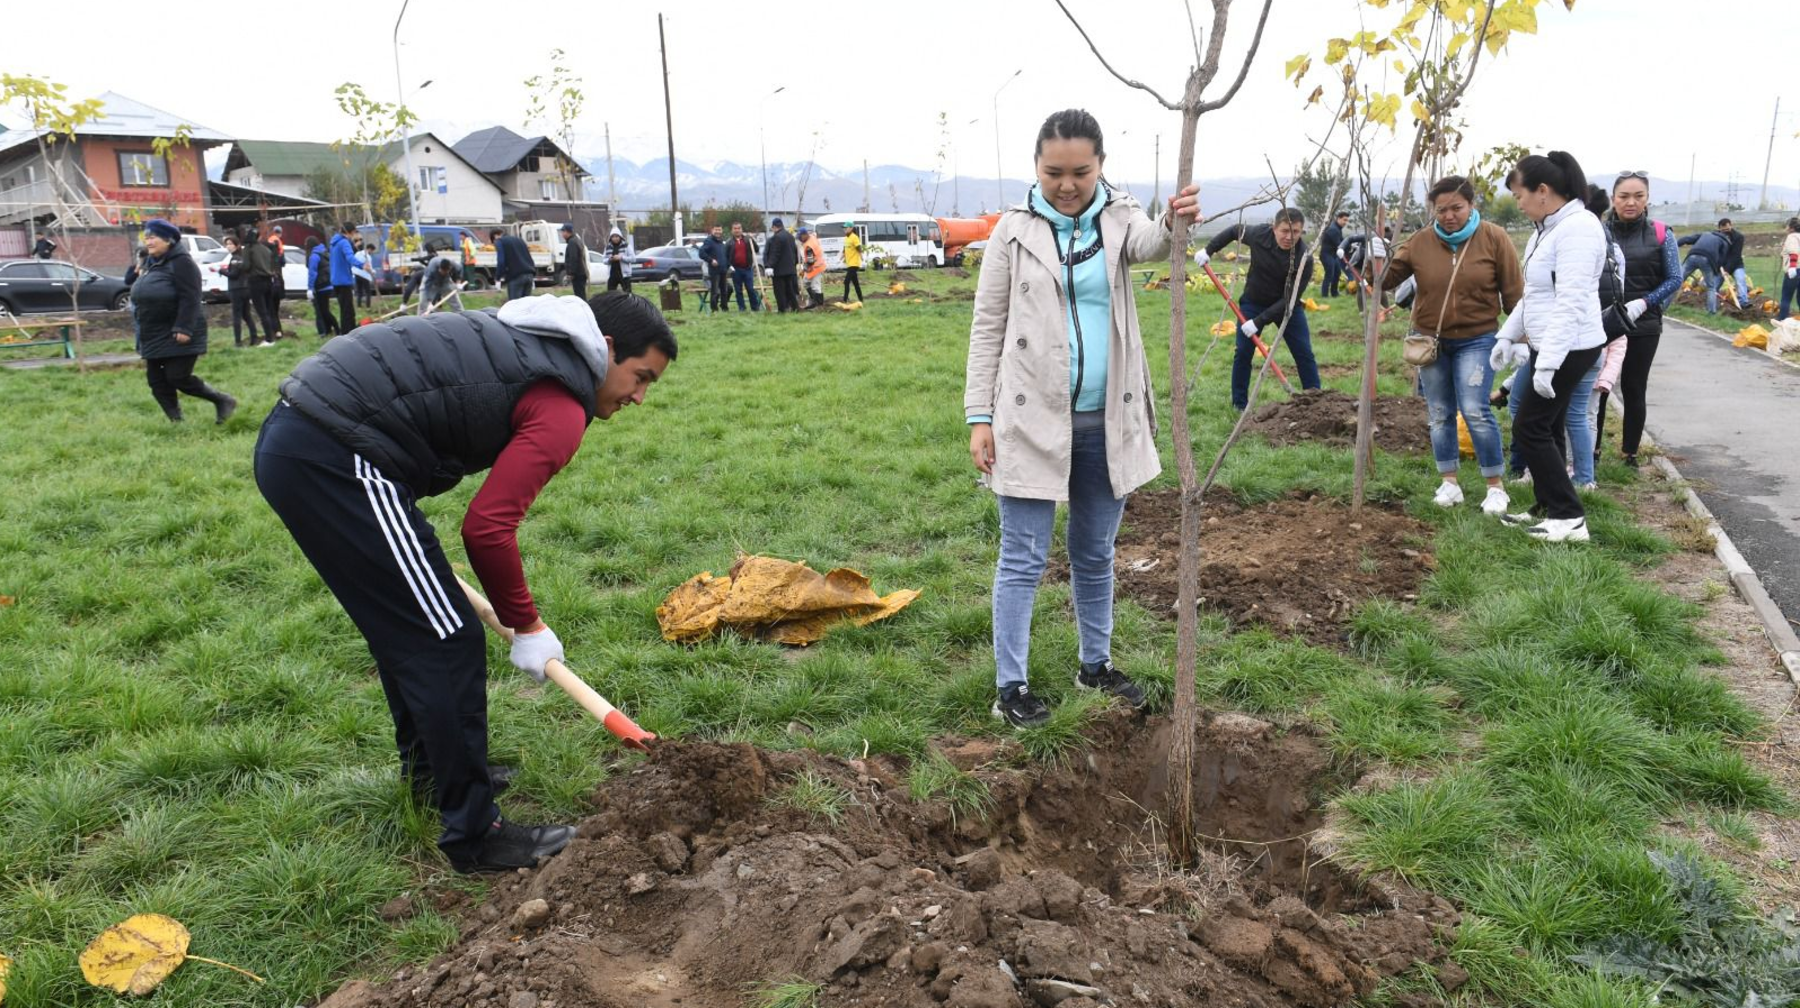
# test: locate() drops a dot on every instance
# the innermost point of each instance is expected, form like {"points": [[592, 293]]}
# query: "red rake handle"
{"points": [[1261, 347], [612, 718]]}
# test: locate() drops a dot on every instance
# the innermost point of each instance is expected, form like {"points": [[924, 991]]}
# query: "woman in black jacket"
{"points": [[237, 285], [171, 325], [318, 279]]}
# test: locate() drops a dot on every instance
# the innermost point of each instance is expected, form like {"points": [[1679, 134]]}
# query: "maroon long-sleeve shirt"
{"points": [[548, 423]]}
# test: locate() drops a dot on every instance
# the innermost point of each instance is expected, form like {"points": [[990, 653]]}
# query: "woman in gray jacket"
{"points": [[1058, 397]]}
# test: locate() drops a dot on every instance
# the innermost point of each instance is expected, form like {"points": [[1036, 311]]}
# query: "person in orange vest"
{"points": [[812, 255], [468, 257]]}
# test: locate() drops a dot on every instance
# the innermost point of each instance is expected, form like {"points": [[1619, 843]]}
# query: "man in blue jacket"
{"points": [[513, 264], [712, 253], [1710, 252], [343, 280]]}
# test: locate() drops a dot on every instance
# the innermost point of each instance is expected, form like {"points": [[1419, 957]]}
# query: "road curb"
{"points": [[1784, 362], [1743, 577]]}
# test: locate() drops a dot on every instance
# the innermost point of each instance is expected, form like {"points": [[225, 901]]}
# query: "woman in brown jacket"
{"points": [[1058, 397], [1467, 273]]}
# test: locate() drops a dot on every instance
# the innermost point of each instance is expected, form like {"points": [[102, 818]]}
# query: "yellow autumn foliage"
{"points": [[137, 954], [774, 600]]}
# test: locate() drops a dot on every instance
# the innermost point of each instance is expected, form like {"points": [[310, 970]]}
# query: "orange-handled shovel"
{"points": [[612, 717], [1261, 347]]}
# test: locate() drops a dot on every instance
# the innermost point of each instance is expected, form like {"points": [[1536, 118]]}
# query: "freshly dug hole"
{"points": [[1299, 565], [691, 885], [1327, 416]]}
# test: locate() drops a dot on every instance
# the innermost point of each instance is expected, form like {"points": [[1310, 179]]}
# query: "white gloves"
{"points": [[1201, 258], [1540, 382], [1519, 355], [1505, 351], [532, 651], [1248, 329], [1635, 309], [1792, 272]]}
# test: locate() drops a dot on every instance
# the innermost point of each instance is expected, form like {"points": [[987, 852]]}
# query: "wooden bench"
{"points": [[15, 332]]}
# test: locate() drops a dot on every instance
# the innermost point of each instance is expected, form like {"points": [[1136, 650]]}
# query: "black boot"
{"points": [[509, 846], [225, 405]]}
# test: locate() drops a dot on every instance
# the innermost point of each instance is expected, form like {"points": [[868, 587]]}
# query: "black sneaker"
{"points": [[1101, 675], [509, 846], [225, 407], [1017, 707], [1631, 461]]}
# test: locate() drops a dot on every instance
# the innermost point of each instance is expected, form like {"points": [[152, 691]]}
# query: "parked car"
{"points": [[197, 244], [293, 274], [214, 284], [45, 285], [657, 264]]}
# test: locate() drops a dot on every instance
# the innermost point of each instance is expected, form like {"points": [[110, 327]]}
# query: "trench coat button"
{"points": [[1025, 287], [1021, 342], [1019, 401], [1128, 397]]}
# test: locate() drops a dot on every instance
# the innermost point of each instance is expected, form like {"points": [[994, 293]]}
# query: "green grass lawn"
{"points": [[193, 727]]}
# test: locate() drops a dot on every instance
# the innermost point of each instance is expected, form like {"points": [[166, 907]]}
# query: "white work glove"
{"points": [[1635, 309], [1541, 382], [1500, 355], [1249, 329], [1520, 355], [1792, 272], [532, 651], [1201, 258]]}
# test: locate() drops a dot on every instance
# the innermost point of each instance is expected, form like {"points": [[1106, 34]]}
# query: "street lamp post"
{"points": [[763, 211], [412, 200], [999, 173]]}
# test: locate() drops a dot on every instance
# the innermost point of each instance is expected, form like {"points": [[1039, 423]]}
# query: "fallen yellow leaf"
{"points": [[137, 954], [5, 968]]}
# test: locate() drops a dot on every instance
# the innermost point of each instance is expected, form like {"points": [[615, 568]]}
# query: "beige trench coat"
{"points": [[1018, 371]]}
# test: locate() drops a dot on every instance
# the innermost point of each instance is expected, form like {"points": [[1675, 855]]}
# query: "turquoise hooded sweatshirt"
{"points": [[1083, 280]]}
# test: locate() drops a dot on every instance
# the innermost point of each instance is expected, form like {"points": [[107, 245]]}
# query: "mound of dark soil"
{"points": [[690, 887], [1299, 566], [1327, 416], [1751, 313]]}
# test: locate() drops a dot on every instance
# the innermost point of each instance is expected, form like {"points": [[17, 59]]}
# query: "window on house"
{"points": [[142, 168], [548, 189]]}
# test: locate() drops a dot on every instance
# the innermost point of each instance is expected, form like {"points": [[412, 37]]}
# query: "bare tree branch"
{"points": [[1193, 30], [1140, 85], [1244, 71]]}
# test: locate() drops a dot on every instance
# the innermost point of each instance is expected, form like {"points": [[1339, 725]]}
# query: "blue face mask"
{"points": [[1456, 240]]}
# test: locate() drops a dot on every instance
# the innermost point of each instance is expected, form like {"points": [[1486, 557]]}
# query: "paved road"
{"points": [[1730, 420]]}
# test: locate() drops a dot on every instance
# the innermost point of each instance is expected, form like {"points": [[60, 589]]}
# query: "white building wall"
{"points": [[470, 197]]}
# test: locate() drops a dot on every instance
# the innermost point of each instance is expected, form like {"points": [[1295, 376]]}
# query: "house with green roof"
{"points": [[448, 189]]}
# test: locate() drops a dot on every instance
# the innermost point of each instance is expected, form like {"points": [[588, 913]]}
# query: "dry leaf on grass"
{"points": [[137, 954], [776, 600], [5, 968]]}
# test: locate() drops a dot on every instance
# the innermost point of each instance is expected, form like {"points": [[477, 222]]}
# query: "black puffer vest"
{"points": [[429, 400], [1643, 268]]}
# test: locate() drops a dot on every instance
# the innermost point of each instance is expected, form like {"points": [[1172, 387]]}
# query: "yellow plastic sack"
{"points": [[1223, 328], [1752, 336], [774, 600], [1464, 442]]}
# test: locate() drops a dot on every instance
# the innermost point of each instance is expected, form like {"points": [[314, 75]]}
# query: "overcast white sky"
{"points": [[871, 78]]}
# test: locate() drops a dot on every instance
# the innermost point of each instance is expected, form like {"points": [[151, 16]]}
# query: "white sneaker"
{"points": [[1524, 478], [1588, 486], [1519, 518], [1448, 495], [1560, 530], [1496, 502]]}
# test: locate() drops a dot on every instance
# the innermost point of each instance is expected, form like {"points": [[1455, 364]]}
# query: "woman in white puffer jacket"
{"points": [[1555, 333]]}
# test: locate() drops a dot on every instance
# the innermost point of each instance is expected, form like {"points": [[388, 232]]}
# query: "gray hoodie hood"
{"points": [[566, 318]]}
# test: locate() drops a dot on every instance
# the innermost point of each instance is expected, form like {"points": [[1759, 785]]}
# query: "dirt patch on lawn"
{"points": [[693, 886], [1327, 416], [1296, 565]]}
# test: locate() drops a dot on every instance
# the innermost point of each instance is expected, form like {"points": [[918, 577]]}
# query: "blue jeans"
{"points": [[1580, 426], [742, 280], [1296, 336], [1742, 279], [1445, 385], [1025, 529], [1790, 293], [1709, 275], [519, 286], [1334, 270], [1577, 436]]}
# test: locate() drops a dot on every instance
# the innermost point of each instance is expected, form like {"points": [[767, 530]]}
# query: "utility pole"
{"points": [[1762, 201], [1156, 190], [612, 191], [669, 124], [412, 178], [1690, 199], [865, 206]]}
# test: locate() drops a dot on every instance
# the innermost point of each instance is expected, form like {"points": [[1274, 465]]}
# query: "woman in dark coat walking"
{"points": [[171, 325], [237, 285]]}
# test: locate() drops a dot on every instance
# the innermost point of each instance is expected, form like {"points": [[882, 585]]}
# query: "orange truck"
{"points": [[958, 232]]}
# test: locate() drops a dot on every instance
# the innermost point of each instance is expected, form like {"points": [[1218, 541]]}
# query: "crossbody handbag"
{"points": [[1421, 349]]}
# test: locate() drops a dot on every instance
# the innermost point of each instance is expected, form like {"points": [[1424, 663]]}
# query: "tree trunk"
{"points": [[1187, 716]]}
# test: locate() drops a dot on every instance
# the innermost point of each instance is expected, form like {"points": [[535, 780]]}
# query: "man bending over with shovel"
{"points": [[401, 410], [1278, 264]]}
